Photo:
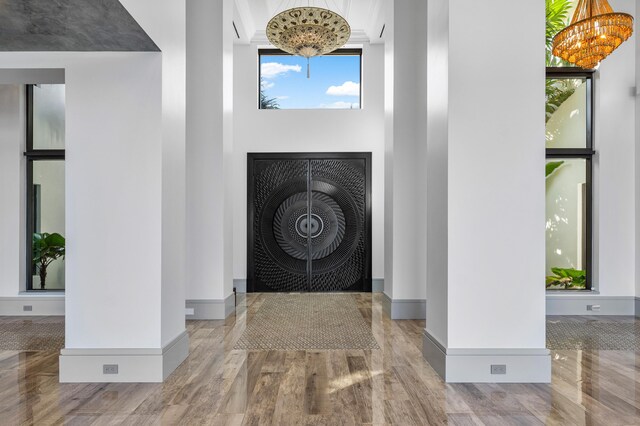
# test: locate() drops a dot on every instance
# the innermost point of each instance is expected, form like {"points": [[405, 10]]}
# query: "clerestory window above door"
{"points": [[334, 81]]}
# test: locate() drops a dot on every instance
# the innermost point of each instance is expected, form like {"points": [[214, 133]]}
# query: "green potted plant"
{"points": [[46, 249]]}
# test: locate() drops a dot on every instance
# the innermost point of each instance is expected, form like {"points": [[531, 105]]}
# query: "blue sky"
{"points": [[334, 82]]}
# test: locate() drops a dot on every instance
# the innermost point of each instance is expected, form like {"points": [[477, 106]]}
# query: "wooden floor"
{"points": [[394, 385]]}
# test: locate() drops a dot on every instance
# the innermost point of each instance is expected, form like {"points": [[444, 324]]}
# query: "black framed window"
{"points": [[568, 171], [332, 81], [45, 186]]}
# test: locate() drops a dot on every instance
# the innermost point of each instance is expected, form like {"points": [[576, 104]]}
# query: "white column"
{"points": [[12, 146], [113, 177], [209, 148], [437, 177], [124, 177], [405, 159], [488, 306], [165, 22], [637, 164]]}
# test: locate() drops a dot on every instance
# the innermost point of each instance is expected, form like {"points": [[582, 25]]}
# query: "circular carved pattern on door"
{"points": [[291, 226], [335, 224], [335, 228]]}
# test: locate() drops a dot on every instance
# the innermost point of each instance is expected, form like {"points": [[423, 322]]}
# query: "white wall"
{"points": [[614, 168], [209, 146], [637, 153], [306, 131], [113, 195], [165, 22], [405, 149], [495, 159], [12, 138], [114, 198], [437, 168]]}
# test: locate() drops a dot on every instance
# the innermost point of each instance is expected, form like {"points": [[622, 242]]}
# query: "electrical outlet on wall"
{"points": [[27, 308], [594, 308], [499, 369], [110, 369]]}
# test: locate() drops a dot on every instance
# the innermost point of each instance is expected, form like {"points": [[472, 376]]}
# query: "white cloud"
{"points": [[341, 105], [267, 84], [348, 88], [274, 69]]}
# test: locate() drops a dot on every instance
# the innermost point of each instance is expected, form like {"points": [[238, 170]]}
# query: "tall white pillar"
{"points": [[637, 162], [485, 195], [126, 207], [405, 159], [12, 137], [165, 22], [209, 148]]}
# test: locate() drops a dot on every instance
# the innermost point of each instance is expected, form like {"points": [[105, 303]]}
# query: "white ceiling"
{"points": [[364, 16]]}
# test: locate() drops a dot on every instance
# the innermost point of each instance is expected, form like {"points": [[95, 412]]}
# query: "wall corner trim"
{"points": [[135, 365], [467, 365]]}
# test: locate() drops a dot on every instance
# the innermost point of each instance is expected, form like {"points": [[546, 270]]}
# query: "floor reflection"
{"points": [[391, 385]]}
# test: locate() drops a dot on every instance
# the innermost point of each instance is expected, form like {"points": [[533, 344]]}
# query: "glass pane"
{"points": [[48, 116], [566, 113], [566, 214], [334, 82], [48, 219]]}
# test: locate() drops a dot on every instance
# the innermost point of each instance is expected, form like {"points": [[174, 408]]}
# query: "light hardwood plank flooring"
{"points": [[220, 386]]}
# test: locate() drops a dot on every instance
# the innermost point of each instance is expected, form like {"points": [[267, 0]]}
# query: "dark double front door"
{"points": [[309, 222]]}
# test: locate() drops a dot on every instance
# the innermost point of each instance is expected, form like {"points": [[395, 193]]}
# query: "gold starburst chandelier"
{"points": [[308, 31], [595, 31]]}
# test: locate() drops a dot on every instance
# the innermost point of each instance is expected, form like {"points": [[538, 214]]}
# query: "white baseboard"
{"points": [[240, 284], [403, 309], [637, 306], [377, 285], [38, 303], [134, 365], [474, 365], [211, 309], [577, 304], [174, 354]]}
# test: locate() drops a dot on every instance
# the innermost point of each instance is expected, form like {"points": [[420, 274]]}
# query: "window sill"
{"points": [[567, 292], [42, 293]]}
